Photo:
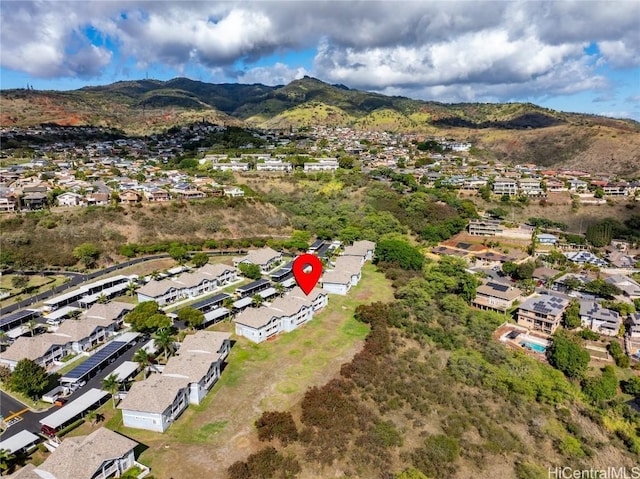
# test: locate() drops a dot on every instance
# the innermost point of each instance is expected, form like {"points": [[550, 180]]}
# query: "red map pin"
{"points": [[307, 270]]}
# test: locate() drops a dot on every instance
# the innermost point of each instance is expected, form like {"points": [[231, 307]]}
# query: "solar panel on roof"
{"points": [[19, 316], [96, 360], [498, 286], [205, 303]]}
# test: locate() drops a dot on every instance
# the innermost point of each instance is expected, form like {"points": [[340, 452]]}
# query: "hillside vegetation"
{"points": [[514, 132]]}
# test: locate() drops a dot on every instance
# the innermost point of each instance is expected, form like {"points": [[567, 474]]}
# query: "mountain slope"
{"points": [[513, 132]]}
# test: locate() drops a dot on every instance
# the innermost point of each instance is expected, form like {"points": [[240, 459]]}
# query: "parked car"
{"points": [[61, 402]]}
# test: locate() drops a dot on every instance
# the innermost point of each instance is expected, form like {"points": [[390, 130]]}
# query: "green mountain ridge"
{"points": [[509, 131]]}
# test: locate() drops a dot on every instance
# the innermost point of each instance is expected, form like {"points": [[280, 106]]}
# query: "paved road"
{"points": [[79, 278], [30, 419]]}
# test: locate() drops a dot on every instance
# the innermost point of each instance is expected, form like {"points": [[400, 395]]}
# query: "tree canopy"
{"points": [[88, 253], [147, 317], [567, 355], [400, 253], [192, 317], [29, 378], [250, 270]]}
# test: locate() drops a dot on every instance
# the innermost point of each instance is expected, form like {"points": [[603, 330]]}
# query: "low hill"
{"points": [[510, 132]]}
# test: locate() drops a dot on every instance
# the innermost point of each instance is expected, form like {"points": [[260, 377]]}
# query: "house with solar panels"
{"points": [[599, 319], [542, 313], [496, 296]]}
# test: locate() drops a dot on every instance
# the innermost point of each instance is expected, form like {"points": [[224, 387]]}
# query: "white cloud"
{"points": [[451, 50], [278, 74]]}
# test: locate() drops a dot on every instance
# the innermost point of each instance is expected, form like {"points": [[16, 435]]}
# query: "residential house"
{"points": [[629, 287], [188, 194], [200, 359], [599, 319], [585, 257], [616, 189], [531, 187], [187, 285], [99, 455], [362, 249], [157, 195], [542, 313], [130, 197], [97, 199], [233, 192], [273, 165], [554, 186], [634, 325], [496, 296], [155, 403], [336, 282], [70, 199], [546, 239], [43, 349], [8, 203], [283, 315], [267, 258], [505, 186], [484, 227], [577, 185], [322, 164], [34, 201]]}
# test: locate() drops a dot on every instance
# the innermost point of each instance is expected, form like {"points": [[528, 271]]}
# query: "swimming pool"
{"points": [[536, 347]]}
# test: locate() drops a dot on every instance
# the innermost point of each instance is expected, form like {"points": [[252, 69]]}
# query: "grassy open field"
{"points": [[269, 376]]}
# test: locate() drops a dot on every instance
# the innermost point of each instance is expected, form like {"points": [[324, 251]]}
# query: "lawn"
{"points": [[269, 376]]}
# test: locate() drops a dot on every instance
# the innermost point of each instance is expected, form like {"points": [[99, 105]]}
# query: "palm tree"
{"points": [[111, 385], [256, 300], [280, 289], [227, 303], [164, 339], [143, 358], [32, 325], [102, 299], [3, 337], [131, 288], [5, 458]]}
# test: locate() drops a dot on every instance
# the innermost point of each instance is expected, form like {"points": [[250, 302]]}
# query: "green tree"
{"points": [[29, 378], [111, 385], [568, 356], [599, 389], [199, 259], [257, 300], [228, 303], [179, 253], [400, 253], [88, 253], [19, 281], [250, 270], [143, 358], [410, 473], [631, 386], [280, 289], [6, 457], [525, 270], [191, 316], [131, 288], [32, 325], [165, 340], [147, 317], [571, 319]]}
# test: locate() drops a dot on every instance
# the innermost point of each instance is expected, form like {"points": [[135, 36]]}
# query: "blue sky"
{"points": [[571, 56]]}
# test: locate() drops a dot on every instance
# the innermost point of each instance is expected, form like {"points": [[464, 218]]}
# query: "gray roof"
{"points": [[19, 441], [259, 256], [80, 457], [593, 310], [545, 304], [154, 395], [74, 408]]}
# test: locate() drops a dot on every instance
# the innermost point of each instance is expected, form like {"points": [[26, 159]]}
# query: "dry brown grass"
{"points": [[270, 376]]}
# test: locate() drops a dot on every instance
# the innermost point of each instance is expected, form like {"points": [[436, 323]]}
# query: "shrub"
{"points": [[274, 424]]}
